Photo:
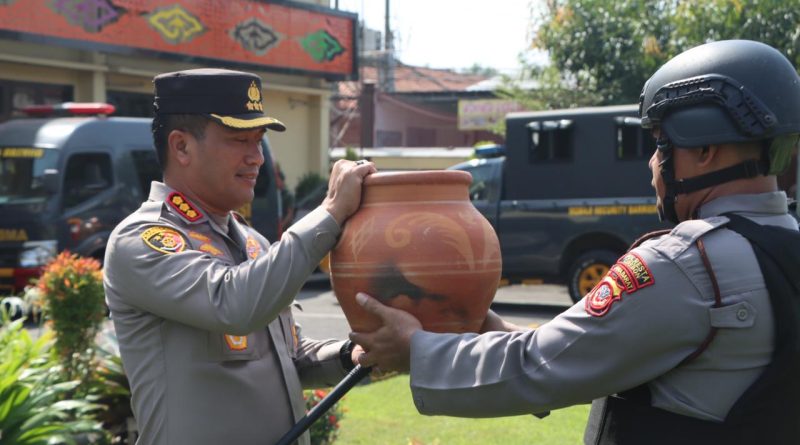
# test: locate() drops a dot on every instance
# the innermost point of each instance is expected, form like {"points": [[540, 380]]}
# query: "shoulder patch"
{"points": [[600, 299], [164, 239], [629, 274], [183, 207], [641, 273]]}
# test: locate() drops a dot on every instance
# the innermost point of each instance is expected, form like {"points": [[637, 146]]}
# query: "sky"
{"points": [[452, 34]]}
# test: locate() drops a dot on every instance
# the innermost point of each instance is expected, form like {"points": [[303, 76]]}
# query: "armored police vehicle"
{"points": [[568, 194], [66, 182]]}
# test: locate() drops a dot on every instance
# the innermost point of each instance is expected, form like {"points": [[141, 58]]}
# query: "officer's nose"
{"points": [[255, 156]]}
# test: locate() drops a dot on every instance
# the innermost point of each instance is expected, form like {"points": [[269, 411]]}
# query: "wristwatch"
{"points": [[345, 355]]}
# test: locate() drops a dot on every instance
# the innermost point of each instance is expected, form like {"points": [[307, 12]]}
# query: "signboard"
{"points": [[282, 36], [484, 114]]}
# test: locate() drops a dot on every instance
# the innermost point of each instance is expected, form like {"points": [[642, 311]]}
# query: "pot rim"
{"points": [[421, 177]]}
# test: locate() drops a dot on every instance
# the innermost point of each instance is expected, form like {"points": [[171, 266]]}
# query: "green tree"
{"points": [[609, 48], [774, 22]]}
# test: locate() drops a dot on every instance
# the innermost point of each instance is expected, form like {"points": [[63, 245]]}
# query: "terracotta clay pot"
{"points": [[418, 244]]}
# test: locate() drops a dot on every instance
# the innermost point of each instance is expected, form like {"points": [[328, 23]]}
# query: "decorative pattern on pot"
{"points": [[418, 244]]}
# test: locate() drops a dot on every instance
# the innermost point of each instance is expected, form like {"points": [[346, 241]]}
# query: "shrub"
{"points": [[326, 428], [74, 302], [34, 404]]}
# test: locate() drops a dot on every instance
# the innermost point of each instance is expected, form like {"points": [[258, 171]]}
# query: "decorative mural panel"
{"points": [[255, 36], [91, 15], [175, 24], [281, 36]]}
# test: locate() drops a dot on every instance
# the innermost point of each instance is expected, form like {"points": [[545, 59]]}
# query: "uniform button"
{"points": [[742, 314]]}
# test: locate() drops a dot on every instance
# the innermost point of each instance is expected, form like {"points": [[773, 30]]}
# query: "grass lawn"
{"points": [[383, 413]]}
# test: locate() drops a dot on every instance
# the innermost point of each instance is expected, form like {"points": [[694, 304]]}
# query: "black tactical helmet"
{"points": [[726, 91], [730, 91]]}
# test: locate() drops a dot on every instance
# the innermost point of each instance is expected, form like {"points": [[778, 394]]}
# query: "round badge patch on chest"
{"points": [[164, 239], [253, 249]]}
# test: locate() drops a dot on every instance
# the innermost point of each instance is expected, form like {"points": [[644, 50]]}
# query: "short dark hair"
{"points": [[163, 124]]}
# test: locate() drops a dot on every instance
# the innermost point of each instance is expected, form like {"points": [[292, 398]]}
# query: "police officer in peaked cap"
{"points": [[200, 300], [693, 336]]}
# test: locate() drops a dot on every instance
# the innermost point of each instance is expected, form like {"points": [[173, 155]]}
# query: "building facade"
{"points": [[110, 50]]}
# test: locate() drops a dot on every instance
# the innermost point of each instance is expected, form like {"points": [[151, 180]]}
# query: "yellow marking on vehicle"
{"points": [[609, 210], [13, 235], [22, 152]]}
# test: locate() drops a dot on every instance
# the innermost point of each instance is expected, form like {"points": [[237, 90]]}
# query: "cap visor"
{"points": [[246, 122]]}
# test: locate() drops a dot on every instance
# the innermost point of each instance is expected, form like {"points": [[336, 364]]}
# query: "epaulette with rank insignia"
{"points": [[184, 208]]}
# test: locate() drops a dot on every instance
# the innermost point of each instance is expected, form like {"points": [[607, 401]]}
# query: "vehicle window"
{"points": [[482, 182], [633, 141], [147, 168], [87, 175], [550, 141], [21, 170]]}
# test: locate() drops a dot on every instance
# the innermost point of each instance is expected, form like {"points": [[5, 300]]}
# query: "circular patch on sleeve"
{"points": [[600, 299], [164, 239]]}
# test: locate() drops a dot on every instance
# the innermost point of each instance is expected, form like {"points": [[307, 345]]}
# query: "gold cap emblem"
{"points": [[254, 94]]}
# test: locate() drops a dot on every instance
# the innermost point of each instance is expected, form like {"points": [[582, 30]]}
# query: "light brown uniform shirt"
{"points": [[205, 330]]}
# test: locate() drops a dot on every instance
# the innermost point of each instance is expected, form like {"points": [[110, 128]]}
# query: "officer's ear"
{"points": [[178, 142], [707, 155]]}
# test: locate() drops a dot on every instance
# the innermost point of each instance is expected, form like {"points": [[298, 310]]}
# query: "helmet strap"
{"points": [[747, 169], [667, 165]]}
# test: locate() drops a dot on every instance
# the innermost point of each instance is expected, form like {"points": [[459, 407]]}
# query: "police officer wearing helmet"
{"points": [[201, 301], [693, 336]]}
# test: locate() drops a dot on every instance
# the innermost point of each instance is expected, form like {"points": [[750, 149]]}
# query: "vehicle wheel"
{"points": [[587, 270]]}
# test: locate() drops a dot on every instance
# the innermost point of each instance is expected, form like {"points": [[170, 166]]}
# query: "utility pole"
{"points": [[388, 46]]}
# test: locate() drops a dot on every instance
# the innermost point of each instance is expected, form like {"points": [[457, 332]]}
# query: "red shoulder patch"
{"points": [[600, 299], [641, 273], [628, 275], [184, 207]]}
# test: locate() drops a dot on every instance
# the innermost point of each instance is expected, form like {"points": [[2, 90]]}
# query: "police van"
{"points": [[567, 194], [67, 180]]}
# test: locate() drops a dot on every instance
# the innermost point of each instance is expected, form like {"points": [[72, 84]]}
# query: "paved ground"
{"points": [[526, 305], [539, 294]]}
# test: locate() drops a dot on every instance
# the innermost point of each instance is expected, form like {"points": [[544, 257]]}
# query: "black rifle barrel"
{"points": [[347, 383]]}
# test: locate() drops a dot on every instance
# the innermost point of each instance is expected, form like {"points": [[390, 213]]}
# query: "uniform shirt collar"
{"points": [[766, 203], [221, 223]]}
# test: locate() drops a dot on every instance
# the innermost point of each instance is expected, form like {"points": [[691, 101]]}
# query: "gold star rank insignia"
{"points": [[184, 207]]}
